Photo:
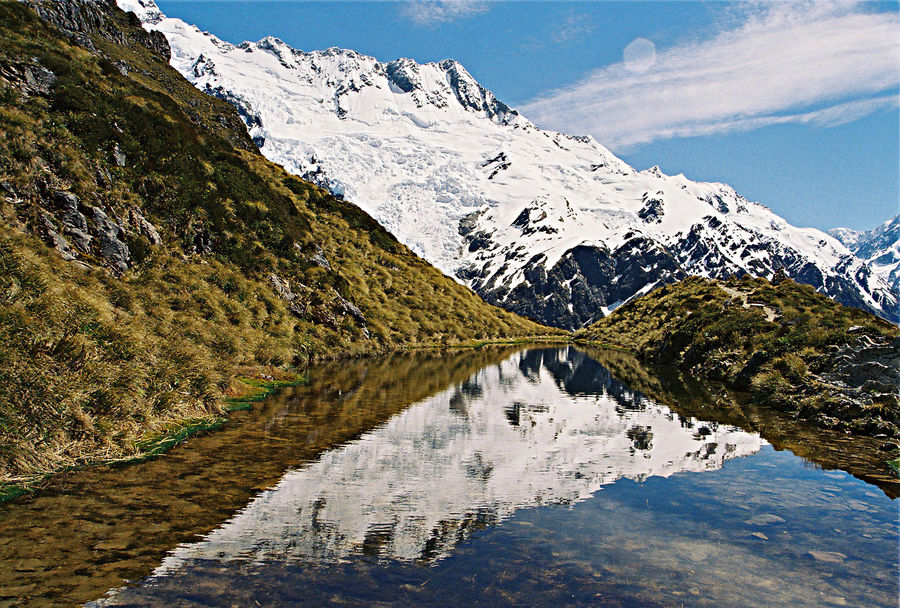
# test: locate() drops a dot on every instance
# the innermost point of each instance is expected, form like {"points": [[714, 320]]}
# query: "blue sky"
{"points": [[795, 105]]}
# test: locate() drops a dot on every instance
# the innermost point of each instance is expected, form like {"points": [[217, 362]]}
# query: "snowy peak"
{"points": [[548, 225], [879, 247], [873, 244], [472, 95], [355, 81], [146, 10], [849, 237]]}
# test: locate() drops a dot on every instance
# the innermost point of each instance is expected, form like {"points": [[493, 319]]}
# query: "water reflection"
{"points": [[466, 478], [95, 529], [858, 455], [542, 427]]}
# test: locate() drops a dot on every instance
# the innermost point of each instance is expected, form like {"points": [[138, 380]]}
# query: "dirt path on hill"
{"points": [[734, 293]]}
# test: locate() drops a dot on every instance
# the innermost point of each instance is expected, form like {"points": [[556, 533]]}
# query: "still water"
{"points": [[493, 477]]}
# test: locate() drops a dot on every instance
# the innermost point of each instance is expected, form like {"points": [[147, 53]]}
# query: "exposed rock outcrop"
{"points": [[282, 287], [48, 231], [865, 374], [79, 19], [74, 223], [28, 77], [111, 238], [318, 258], [76, 229], [327, 312], [144, 226]]}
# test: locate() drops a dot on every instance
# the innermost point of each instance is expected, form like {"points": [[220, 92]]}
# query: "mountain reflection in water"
{"points": [[494, 476], [542, 427]]}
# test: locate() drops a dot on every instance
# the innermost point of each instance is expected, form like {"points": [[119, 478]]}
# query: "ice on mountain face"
{"points": [[879, 247], [540, 428], [546, 224], [146, 10], [850, 238]]}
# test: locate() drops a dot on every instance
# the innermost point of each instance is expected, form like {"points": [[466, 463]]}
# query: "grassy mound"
{"points": [[779, 342]]}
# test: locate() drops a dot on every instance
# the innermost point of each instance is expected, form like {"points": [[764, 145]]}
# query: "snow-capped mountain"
{"points": [[548, 225], [879, 247]]}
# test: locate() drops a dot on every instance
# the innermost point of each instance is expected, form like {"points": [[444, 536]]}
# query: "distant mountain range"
{"points": [[551, 226], [879, 247]]}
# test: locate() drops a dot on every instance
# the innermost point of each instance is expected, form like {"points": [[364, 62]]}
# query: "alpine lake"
{"points": [[543, 476]]}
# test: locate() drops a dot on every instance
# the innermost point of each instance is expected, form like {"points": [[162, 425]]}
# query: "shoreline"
{"points": [[251, 386], [245, 389]]}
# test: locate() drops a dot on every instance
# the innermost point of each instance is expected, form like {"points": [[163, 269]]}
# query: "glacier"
{"points": [[552, 226], [879, 247]]}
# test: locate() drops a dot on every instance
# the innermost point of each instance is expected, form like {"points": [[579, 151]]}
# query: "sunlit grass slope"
{"points": [[91, 361], [779, 342]]}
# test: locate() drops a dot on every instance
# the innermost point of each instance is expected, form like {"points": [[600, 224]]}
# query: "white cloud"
{"points": [[572, 28], [432, 12], [805, 63]]}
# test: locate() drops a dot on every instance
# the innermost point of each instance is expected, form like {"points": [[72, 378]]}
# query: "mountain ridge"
{"points": [[879, 247], [549, 225]]}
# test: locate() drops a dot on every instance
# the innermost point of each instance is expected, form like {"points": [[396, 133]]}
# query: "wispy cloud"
{"points": [[572, 28], [802, 63], [433, 12]]}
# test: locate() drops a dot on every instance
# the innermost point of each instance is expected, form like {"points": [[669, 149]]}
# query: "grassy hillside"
{"points": [[147, 251], [784, 344]]}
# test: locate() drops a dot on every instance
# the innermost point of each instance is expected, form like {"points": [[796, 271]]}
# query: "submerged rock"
{"points": [[764, 519], [831, 557]]}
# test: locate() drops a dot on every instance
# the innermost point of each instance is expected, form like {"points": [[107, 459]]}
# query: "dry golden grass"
{"points": [[699, 326], [91, 364]]}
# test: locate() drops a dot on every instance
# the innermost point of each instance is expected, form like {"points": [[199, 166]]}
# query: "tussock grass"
{"points": [[701, 325], [92, 366]]}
